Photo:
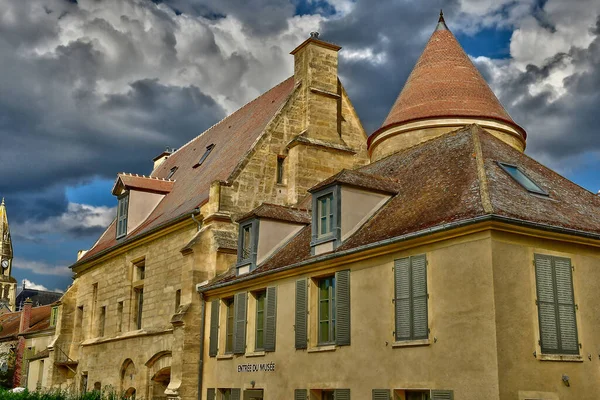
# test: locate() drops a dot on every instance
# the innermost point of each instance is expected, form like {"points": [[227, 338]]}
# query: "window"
{"points": [[94, 302], [120, 316], [280, 161], [229, 326], [102, 321], [171, 173], [247, 246], [327, 310], [246, 242], [140, 270], [325, 212], [518, 175], [122, 209], [204, 156], [80, 324], [177, 299], [225, 394], [556, 305], [54, 316], [260, 320], [410, 298], [417, 395], [139, 302], [328, 395]]}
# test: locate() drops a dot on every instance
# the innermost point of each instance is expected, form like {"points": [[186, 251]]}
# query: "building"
{"points": [[452, 266], [8, 284], [130, 321], [24, 338], [36, 296]]}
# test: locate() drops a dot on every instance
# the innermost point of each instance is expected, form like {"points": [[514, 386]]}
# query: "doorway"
{"points": [[253, 394]]}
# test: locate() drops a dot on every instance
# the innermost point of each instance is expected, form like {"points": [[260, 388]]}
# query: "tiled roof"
{"points": [[445, 83], [456, 178], [233, 137], [10, 322], [360, 180], [281, 213], [143, 183], [37, 297]]}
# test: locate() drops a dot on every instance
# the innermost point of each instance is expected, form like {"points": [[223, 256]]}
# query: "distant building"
{"points": [[37, 297]]}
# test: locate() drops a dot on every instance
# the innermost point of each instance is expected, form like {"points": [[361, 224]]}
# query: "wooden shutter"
{"points": [[567, 325], [301, 314], [300, 394], [442, 395], [341, 394], [236, 394], [239, 320], [402, 298], [210, 394], [381, 394], [420, 329], [271, 319], [546, 304], [213, 347], [342, 304]]}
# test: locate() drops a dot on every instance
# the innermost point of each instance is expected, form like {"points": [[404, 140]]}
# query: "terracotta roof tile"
{"points": [[143, 183], [360, 180], [232, 138], [40, 320]]}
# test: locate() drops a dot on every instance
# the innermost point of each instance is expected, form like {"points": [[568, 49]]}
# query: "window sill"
{"points": [[224, 356], [561, 357], [256, 354], [411, 343], [321, 349]]}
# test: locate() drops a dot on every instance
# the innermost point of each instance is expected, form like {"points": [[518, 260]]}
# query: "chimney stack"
{"points": [[26, 315], [162, 157]]}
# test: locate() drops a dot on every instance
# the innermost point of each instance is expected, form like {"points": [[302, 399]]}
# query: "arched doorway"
{"points": [[129, 394], [128, 382], [159, 374]]}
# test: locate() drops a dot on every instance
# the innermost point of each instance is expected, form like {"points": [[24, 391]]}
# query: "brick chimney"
{"points": [[316, 69], [20, 350]]}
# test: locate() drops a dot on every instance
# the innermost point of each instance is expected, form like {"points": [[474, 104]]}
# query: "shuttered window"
{"points": [[271, 319], [442, 395], [381, 394], [556, 305], [300, 394], [300, 325], [341, 394], [213, 346], [260, 320], [236, 394], [230, 325], [410, 298], [210, 394], [342, 289], [327, 310], [239, 332]]}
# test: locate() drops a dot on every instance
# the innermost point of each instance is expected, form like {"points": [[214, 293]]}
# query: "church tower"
{"points": [[8, 284], [444, 92]]}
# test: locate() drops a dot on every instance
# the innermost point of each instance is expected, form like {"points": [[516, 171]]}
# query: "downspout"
{"points": [[201, 362], [196, 211]]}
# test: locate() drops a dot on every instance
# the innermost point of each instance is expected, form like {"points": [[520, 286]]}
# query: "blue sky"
{"points": [[85, 95]]}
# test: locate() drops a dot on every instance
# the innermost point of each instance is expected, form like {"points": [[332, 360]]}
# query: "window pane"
{"points": [[246, 241], [324, 331], [324, 310], [522, 178]]}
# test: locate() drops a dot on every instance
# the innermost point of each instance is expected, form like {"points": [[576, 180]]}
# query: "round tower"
{"points": [[444, 91]]}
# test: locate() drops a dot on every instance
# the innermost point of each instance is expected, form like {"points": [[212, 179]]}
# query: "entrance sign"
{"points": [[267, 367]]}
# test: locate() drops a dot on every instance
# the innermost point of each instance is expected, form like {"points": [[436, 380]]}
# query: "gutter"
{"points": [[437, 229], [202, 328]]}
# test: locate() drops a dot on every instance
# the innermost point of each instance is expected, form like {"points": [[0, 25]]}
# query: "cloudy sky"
{"points": [[90, 88]]}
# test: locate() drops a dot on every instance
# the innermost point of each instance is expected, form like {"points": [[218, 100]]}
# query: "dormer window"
{"points": [[518, 175], [122, 209], [205, 155], [247, 246], [326, 218], [325, 205]]}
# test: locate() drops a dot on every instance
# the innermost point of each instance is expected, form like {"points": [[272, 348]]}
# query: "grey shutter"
{"points": [[210, 394], [442, 395], [239, 332], [546, 304], [567, 325], [300, 394], [342, 304], [301, 314], [271, 319], [419, 297], [402, 298], [341, 394], [381, 394], [213, 347], [236, 394]]}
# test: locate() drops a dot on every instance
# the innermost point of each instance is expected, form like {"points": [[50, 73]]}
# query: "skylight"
{"points": [[519, 176], [205, 155], [171, 172]]}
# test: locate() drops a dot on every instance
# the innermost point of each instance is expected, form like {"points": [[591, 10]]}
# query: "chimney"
{"points": [[25, 315], [162, 157], [316, 69]]}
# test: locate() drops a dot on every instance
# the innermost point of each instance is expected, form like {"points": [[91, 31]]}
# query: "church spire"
{"points": [[8, 284], [444, 91]]}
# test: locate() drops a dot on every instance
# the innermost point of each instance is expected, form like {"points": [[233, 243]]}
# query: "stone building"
{"points": [[131, 320], [452, 266], [8, 284]]}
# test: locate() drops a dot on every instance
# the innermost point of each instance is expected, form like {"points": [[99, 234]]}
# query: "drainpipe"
{"points": [[201, 362], [197, 212]]}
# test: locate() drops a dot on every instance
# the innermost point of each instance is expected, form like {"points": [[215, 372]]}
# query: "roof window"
{"points": [[171, 173], [205, 155], [518, 175]]}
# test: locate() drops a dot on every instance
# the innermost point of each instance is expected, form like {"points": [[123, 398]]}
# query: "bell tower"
{"points": [[8, 284]]}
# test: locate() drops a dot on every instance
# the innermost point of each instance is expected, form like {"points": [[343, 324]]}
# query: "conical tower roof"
{"points": [[445, 84]]}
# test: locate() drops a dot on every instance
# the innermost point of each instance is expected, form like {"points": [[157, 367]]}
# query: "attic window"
{"points": [[518, 175], [171, 173], [205, 155], [247, 246], [122, 209]]}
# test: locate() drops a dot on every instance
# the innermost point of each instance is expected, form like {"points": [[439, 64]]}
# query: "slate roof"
{"points": [[40, 320], [37, 297], [277, 212], [445, 83], [232, 138], [455, 178]]}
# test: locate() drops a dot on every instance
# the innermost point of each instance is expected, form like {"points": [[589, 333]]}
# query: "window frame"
{"points": [[505, 167], [249, 259], [334, 235], [122, 214], [280, 171], [172, 172], [54, 316], [411, 321], [207, 152], [258, 295], [331, 307], [229, 324]]}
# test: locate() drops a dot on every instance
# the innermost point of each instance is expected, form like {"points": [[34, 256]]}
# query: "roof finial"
{"points": [[441, 25]]}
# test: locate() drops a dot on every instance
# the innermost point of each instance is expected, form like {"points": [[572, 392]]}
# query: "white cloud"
{"points": [[40, 267]]}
